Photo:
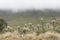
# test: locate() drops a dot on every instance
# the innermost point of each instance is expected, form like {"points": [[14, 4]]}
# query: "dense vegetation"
{"points": [[30, 25]]}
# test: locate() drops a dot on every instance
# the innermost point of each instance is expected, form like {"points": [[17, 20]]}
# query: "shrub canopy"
{"points": [[3, 24]]}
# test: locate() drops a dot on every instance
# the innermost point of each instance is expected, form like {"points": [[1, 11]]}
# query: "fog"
{"points": [[29, 4]]}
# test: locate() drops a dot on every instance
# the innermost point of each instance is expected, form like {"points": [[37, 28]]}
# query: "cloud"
{"points": [[25, 4]]}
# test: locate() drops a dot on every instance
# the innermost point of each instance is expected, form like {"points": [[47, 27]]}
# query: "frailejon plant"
{"points": [[8, 29], [54, 24], [48, 27], [42, 24], [38, 26], [30, 26], [38, 31]]}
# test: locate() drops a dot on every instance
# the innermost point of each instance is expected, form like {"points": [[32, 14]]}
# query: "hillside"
{"points": [[22, 17], [30, 13]]}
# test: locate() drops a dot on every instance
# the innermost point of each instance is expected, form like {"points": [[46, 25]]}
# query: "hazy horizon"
{"points": [[29, 4]]}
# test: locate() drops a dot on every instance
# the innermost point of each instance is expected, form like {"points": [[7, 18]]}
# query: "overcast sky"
{"points": [[27, 4]]}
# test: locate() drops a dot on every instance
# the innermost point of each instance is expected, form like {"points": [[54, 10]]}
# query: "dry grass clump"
{"points": [[10, 36], [42, 36], [30, 36], [49, 36]]}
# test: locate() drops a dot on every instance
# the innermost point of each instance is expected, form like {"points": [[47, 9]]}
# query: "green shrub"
{"points": [[3, 24]]}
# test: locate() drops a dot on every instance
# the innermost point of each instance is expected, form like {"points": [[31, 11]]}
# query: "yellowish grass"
{"points": [[31, 36], [10, 36]]}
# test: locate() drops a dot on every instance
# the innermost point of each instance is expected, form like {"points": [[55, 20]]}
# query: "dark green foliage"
{"points": [[3, 24]]}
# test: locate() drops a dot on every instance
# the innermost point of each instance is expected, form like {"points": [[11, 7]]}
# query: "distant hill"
{"points": [[29, 13]]}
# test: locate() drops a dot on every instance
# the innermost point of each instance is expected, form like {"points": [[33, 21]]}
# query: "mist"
{"points": [[29, 4]]}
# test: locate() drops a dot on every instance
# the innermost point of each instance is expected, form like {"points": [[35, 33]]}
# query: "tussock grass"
{"points": [[31, 36]]}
